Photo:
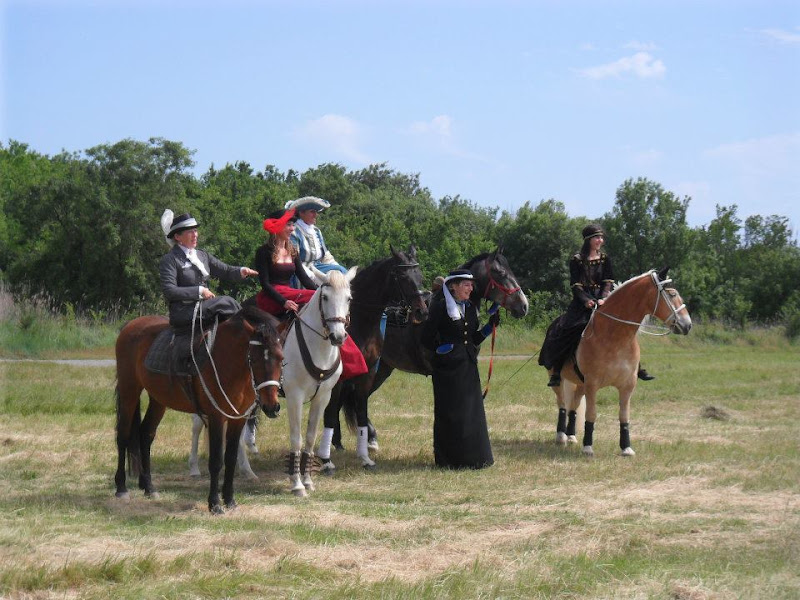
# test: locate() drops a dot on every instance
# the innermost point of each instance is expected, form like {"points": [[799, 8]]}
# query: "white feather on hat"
{"points": [[166, 223], [307, 202]]}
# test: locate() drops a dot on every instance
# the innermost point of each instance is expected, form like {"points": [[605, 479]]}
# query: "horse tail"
{"points": [[347, 400], [133, 445]]}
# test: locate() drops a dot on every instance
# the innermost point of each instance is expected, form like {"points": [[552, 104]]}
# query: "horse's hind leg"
{"points": [[128, 420], [242, 462], [216, 433], [155, 412]]}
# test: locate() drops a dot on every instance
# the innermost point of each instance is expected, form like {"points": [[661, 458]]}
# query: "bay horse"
{"points": [[494, 282], [396, 279], [312, 367], [243, 372], [608, 353]]}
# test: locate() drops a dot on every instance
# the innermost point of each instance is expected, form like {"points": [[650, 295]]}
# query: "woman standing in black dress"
{"points": [[460, 433]]}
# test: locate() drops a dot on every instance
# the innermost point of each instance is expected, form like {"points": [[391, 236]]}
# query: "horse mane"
{"points": [[364, 275], [624, 283], [256, 316], [336, 280], [474, 259]]}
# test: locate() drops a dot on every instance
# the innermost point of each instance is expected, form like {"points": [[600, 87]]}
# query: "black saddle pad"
{"points": [[170, 354]]}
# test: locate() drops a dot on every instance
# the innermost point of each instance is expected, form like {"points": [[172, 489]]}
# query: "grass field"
{"points": [[708, 508]]}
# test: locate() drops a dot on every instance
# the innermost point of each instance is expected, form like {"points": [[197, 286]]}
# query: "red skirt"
{"points": [[353, 363]]}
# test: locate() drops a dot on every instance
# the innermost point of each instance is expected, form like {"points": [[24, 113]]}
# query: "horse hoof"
{"points": [[250, 476], [152, 495], [561, 438], [300, 492], [252, 448], [310, 486], [195, 475], [327, 468], [123, 495], [216, 510], [338, 447], [571, 439], [370, 468], [231, 505], [373, 444], [628, 452], [588, 451]]}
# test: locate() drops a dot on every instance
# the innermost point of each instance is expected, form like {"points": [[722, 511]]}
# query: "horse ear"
{"points": [[394, 252], [499, 249], [321, 277], [351, 273], [412, 251], [662, 274]]}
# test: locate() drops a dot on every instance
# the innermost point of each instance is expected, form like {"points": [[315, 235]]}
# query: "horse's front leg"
{"points": [[242, 461], [624, 420], [155, 412], [233, 437], [216, 427], [294, 409], [590, 392], [197, 429]]}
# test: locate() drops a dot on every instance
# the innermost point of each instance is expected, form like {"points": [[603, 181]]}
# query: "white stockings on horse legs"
{"points": [[324, 451], [362, 450]]}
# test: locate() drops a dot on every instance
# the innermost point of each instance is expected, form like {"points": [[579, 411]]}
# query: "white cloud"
{"points": [[784, 37], [641, 46], [334, 133], [440, 126], [641, 64], [761, 156]]}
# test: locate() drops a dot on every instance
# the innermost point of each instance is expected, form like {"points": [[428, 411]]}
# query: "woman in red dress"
{"points": [[277, 262]]}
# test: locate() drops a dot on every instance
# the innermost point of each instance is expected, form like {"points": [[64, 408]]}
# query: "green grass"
{"points": [[708, 508]]}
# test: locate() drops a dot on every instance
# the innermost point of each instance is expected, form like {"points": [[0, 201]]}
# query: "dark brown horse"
{"points": [[243, 371], [495, 282], [395, 279]]}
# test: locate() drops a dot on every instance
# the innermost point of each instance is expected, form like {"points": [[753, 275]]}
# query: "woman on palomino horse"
{"points": [[277, 262], [307, 237], [460, 434], [591, 280], [185, 271]]}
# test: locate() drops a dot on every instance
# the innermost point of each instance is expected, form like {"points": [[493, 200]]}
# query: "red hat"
{"points": [[277, 220]]}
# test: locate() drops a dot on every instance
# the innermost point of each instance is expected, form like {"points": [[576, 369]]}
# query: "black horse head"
{"points": [[408, 283], [496, 282]]}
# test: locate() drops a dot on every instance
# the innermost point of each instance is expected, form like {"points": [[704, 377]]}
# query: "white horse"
{"points": [[311, 368], [247, 441]]}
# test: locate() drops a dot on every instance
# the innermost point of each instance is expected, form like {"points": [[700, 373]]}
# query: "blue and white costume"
{"points": [[308, 238]]}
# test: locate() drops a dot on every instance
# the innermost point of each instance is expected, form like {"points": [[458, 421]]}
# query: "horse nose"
{"points": [[274, 411]]}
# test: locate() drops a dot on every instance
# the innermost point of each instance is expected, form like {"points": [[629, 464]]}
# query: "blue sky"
{"points": [[499, 102]]}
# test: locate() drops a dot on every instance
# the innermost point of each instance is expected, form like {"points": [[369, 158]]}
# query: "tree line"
{"points": [[82, 230]]}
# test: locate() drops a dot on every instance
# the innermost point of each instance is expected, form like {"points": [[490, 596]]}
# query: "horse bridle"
{"points": [[325, 320], [493, 284], [660, 294], [268, 382]]}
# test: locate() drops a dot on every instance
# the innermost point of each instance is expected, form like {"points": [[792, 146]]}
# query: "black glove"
{"points": [[494, 319]]}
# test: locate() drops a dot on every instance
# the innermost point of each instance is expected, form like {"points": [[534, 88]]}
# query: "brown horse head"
{"points": [[495, 281], [264, 356]]}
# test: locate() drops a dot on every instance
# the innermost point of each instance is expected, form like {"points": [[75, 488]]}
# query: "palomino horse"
{"points": [[243, 371], [396, 279], [608, 353], [494, 282], [312, 367]]}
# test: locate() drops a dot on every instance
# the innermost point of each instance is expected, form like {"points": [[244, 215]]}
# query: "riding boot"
{"points": [[324, 451], [362, 451], [555, 379], [644, 375]]}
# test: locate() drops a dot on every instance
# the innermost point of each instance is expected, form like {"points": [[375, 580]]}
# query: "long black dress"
{"points": [[589, 280], [460, 433]]}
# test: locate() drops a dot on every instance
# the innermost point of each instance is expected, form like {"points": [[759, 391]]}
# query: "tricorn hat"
{"points": [[592, 230], [308, 203]]}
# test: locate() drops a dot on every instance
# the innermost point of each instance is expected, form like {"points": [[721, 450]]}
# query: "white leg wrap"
{"points": [[362, 451], [324, 450]]}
